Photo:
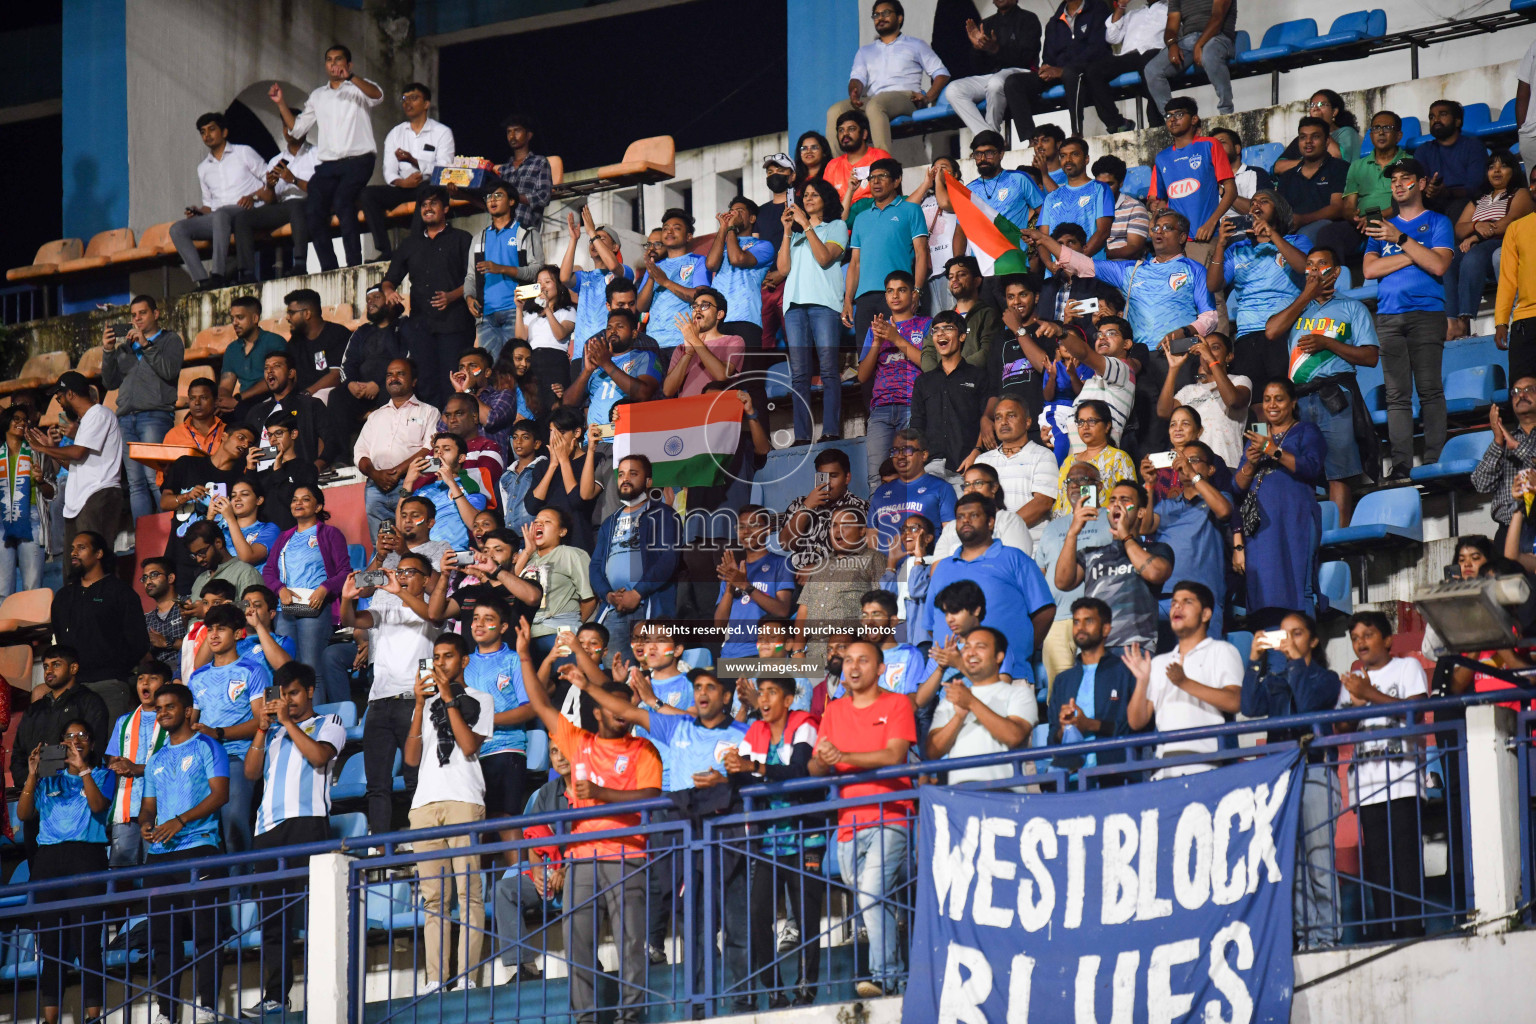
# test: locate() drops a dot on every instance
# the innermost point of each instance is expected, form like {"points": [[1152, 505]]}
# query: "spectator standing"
{"points": [[1500, 199], [767, 223], [435, 259], [450, 790], [590, 287], [673, 274], [759, 585], [1026, 471], [1515, 303], [1139, 34], [949, 402], [1512, 451], [229, 691], [1082, 200], [1012, 193], [293, 754], [1525, 114], [285, 200], [1385, 780], [100, 616], [1328, 336], [707, 355], [241, 383], [413, 149], [524, 470], [1368, 189], [887, 76], [186, 787], [1197, 684], [1192, 176], [811, 261], [892, 237], [317, 439], [133, 738], [1089, 699], [569, 482], [983, 714], [1126, 573], [534, 890], [635, 560], [1454, 162], [1218, 397], [144, 369], [21, 505], [1131, 230], [962, 283], [1409, 254], [93, 499], [547, 327], [807, 531], [163, 623], [870, 728], [63, 699], [833, 593], [383, 338], [1190, 506], [1315, 186], [1074, 42], [231, 178], [306, 569], [563, 572], [891, 358], [528, 173], [1275, 542], [1263, 264], [495, 669], [737, 262], [618, 768], [1020, 358], [394, 436], [1199, 32], [345, 151], [287, 471], [849, 172], [494, 271], [1006, 43]]}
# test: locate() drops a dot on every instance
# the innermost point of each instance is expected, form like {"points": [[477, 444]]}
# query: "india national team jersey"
{"points": [[292, 787], [687, 270], [1187, 178], [603, 394], [64, 814], [1013, 194], [1082, 205], [224, 694], [1267, 282], [177, 779], [903, 669], [500, 675], [1159, 297], [673, 691], [1339, 318], [688, 748]]}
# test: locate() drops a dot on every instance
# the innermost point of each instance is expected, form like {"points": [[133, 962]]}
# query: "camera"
{"points": [[372, 578]]}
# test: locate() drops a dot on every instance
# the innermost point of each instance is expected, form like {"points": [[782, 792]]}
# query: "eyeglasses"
{"points": [[76, 736], [1318, 104], [975, 485], [987, 151], [1175, 115], [905, 450], [704, 305], [1090, 419], [1523, 391], [810, 146], [946, 328], [1383, 128], [1156, 228], [408, 573], [157, 574]]}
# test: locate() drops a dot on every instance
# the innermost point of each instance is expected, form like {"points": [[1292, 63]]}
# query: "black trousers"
{"points": [[865, 308], [1022, 92], [177, 917], [377, 201], [334, 189], [1091, 86], [1390, 863], [283, 904], [552, 366], [1261, 360], [1522, 348], [389, 722], [437, 360], [804, 891], [63, 935]]}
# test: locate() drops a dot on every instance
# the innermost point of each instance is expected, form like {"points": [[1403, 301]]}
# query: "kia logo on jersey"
{"points": [[1183, 188]]}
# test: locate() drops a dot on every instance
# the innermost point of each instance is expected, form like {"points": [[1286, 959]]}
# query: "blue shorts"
{"points": [[1338, 429]]}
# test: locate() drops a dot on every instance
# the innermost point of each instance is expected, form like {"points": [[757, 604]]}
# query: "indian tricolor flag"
{"points": [[988, 230], [1304, 366], [688, 440]]}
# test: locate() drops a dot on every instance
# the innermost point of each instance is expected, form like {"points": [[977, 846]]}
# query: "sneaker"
{"points": [[656, 954], [869, 990], [161, 1018], [1123, 126], [789, 935], [469, 983], [203, 1015], [530, 972], [428, 988], [1399, 475], [803, 997], [263, 1008]]}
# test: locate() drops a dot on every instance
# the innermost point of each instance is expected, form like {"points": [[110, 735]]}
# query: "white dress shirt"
{"points": [[432, 147], [1141, 29], [391, 432], [1213, 663], [301, 165], [342, 117], [225, 181], [897, 66]]}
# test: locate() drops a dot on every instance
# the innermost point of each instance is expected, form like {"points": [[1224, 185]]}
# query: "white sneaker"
{"points": [[160, 1018], [469, 983], [203, 1015], [428, 988], [789, 935]]}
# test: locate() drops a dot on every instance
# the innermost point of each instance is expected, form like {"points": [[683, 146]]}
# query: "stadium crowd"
{"points": [[1082, 475]]}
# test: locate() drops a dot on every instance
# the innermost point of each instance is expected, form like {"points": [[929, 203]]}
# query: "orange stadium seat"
{"points": [[89, 365], [49, 257], [653, 159], [100, 251], [154, 244]]}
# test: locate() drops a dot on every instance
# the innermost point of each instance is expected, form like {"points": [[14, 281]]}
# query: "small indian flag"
{"points": [[991, 232], [1304, 366], [688, 440]]}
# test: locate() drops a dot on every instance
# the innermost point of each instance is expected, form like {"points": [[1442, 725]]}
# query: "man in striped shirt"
{"points": [[134, 737], [292, 753]]}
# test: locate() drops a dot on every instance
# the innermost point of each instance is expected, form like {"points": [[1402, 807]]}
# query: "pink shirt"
{"points": [[729, 349]]}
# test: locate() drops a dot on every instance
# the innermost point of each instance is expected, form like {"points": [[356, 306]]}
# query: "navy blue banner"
{"points": [[1146, 904]]}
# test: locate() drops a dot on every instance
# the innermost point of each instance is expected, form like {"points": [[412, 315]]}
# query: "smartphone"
{"points": [[1161, 460], [1181, 345], [265, 455], [372, 578], [1242, 224], [1261, 428], [526, 292], [465, 557], [823, 479], [387, 526], [789, 199], [283, 162], [216, 490], [1087, 307], [424, 666], [273, 693], [605, 430], [1090, 495], [54, 760], [862, 173], [1273, 636], [120, 330], [434, 464]]}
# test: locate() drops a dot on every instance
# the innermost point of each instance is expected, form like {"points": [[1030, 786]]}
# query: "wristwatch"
{"points": [[218, 731], [1402, 238], [1196, 478]]}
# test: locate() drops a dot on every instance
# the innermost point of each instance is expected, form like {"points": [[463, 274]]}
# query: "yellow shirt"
{"points": [[1517, 273]]}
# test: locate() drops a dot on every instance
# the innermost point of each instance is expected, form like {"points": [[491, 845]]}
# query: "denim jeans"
{"points": [[333, 676], [494, 330], [812, 332], [379, 506], [1412, 348], [310, 636], [143, 495], [127, 845], [1160, 73], [1316, 908], [873, 864], [28, 555], [880, 434], [1468, 277], [235, 817]]}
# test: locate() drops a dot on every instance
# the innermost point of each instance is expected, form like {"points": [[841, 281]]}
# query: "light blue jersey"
{"points": [[688, 748], [743, 286], [178, 777], [1159, 297], [687, 271], [1082, 205], [63, 813], [1266, 281], [1013, 194], [673, 691], [903, 671], [603, 394], [500, 674], [265, 534], [592, 305], [224, 694]]}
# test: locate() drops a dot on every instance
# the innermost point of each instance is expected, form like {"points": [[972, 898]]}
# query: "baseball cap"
{"points": [[779, 160], [71, 381]]}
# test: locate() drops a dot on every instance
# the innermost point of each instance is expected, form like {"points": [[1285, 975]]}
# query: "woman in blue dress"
{"points": [[1280, 525]]}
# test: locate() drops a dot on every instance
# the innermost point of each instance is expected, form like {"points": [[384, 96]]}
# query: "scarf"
{"points": [[470, 709], [16, 510]]}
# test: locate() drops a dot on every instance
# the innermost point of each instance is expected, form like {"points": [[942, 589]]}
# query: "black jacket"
{"points": [[316, 425], [438, 265], [1018, 41], [947, 408], [372, 348], [104, 623], [46, 718], [1080, 44], [1113, 685]]}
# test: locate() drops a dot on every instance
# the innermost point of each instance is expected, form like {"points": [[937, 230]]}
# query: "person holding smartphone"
{"points": [[413, 150]]}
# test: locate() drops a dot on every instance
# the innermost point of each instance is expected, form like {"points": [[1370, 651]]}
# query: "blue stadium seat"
{"points": [[1468, 390], [1263, 155], [1354, 27], [776, 381], [1382, 519], [1243, 641], [1475, 117], [18, 955], [1330, 516], [351, 783], [1458, 459], [1503, 125], [344, 710], [1526, 7], [1280, 40], [349, 826], [1138, 181], [355, 733], [1344, 286], [1055, 92], [245, 917], [698, 657], [538, 750], [1129, 80], [20, 876], [1335, 581], [392, 906], [358, 556]]}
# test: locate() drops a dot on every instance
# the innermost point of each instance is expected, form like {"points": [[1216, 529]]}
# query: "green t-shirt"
{"points": [[1368, 181], [249, 368]]}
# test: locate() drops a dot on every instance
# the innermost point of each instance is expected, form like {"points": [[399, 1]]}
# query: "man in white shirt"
{"points": [[887, 76], [1196, 685], [393, 436], [1027, 471], [92, 498], [448, 726], [1112, 382], [1139, 34], [413, 149], [231, 178], [984, 714], [283, 199], [345, 151], [1525, 113]]}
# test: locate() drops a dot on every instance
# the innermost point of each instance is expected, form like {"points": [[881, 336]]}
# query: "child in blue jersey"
{"points": [[902, 670], [228, 693], [186, 786], [68, 810], [294, 754], [496, 669]]}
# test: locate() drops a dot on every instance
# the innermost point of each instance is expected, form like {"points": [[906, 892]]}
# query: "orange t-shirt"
{"points": [[860, 730], [630, 763], [837, 172]]}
